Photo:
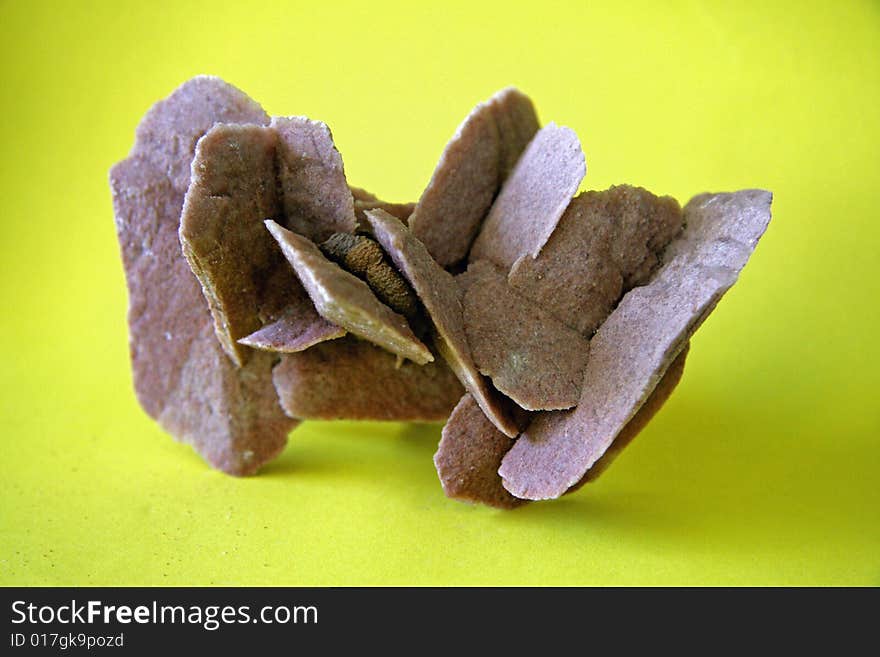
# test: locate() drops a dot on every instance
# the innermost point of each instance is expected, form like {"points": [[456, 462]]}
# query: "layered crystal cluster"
{"points": [[544, 327]]}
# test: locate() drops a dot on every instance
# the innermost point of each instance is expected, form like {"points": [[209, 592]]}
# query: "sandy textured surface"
{"points": [[640, 420], [233, 190], [441, 298], [636, 344], [347, 301], [531, 356], [354, 380], [467, 459], [297, 328], [533, 198], [471, 169], [605, 244], [317, 201], [182, 377]]}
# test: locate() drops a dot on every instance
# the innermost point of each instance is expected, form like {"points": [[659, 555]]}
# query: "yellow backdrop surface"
{"points": [[764, 467]]}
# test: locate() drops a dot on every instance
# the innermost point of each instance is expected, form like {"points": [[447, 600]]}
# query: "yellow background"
{"points": [[764, 468]]}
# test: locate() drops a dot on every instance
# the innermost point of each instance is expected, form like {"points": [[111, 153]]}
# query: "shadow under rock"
{"points": [[588, 511], [309, 450], [358, 452], [421, 437], [748, 479], [370, 451], [290, 463], [359, 448], [589, 507]]}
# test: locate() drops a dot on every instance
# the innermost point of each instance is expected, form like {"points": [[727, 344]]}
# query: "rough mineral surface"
{"points": [[532, 199], [605, 244], [531, 356], [182, 377], [354, 253], [471, 449], [636, 344], [640, 420], [352, 379], [345, 300], [392, 290], [167, 135], [467, 459], [472, 167], [297, 328], [242, 175], [361, 256], [316, 199], [578, 310], [440, 296], [233, 190]]}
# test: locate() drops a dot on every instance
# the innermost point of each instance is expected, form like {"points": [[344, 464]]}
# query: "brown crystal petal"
{"points": [[605, 244], [471, 449], [296, 330], [233, 190], [640, 420], [636, 344], [345, 300], [182, 377], [467, 459], [316, 197], [472, 167], [166, 137], [359, 194], [354, 380], [441, 299], [241, 175], [532, 357], [532, 199]]}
